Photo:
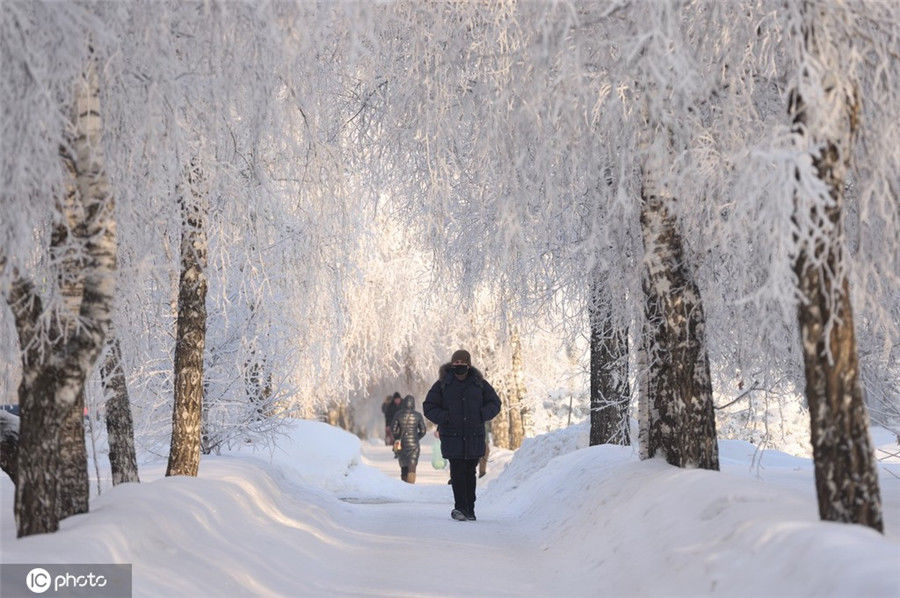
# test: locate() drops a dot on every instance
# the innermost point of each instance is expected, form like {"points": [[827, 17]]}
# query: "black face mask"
{"points": [[461, 369]]}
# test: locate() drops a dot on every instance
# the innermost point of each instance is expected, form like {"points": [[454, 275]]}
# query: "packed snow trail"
{"points": [[324, 516]]}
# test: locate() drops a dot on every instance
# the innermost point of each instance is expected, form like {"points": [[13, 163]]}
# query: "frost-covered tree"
{"points": [[61, 326], [825, 111], [190, 336]]}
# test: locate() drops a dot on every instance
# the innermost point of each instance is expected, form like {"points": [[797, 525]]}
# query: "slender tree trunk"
{"points": [[500, 424], [846, 473], [516, 409], [50, 463], [610, 390], [682, 425], [642, 377], [208, 440], [184, 454], [119, 424]]}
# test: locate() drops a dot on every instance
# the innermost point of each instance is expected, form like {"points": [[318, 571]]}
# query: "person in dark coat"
{"points": [[460, 402], [408, 427], [389, 408]]}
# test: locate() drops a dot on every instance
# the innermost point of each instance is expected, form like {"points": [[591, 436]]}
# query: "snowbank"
{"points": [[329, 459], [646, 528], [236, 531], [535, 454], [315, 453]]}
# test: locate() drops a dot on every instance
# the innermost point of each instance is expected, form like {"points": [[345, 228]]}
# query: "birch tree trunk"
{"points": [[517, 391], [682, 425], [846, 473], [184, 454], [119, 424], [500, 423], [53, 376], [74, 484], [642, 377], [66, 257], [610, 390]]}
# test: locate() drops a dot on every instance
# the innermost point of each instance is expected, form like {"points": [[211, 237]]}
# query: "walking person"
{"points": [[389, 408], [460, 403], [408, 427]]}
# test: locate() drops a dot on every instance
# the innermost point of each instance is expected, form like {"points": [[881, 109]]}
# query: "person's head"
{"points": [[409, 402], [460, 362], [397, 398]]}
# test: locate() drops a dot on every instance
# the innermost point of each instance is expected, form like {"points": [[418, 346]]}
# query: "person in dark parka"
{"points": [[408, 427], [460, 402], [389, 408]]}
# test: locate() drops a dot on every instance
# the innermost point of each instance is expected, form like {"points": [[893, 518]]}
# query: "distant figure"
{"points": [[460, 403], [408, 427], [389, 408]]}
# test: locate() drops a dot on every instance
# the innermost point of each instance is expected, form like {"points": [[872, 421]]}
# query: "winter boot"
{"points": [[458, 515], [470, 516], [411, 478]]}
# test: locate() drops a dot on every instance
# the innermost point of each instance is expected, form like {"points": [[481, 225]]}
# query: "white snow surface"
{"points": [[326, 515]]}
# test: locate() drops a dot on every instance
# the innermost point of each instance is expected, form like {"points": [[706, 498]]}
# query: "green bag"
{"points": [[437, 461]]}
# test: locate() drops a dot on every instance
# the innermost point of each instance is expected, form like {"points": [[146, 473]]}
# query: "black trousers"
{"points": [[462, 478]]}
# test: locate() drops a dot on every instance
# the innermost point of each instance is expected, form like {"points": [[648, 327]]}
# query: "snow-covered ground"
{"points": [[325, 515]]}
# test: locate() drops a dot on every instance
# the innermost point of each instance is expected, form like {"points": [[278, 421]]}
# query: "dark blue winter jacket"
{"points": [[460, 408]]}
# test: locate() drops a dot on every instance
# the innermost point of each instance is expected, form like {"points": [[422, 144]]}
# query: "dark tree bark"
{"points": [[846, 473], [682, 426], [74, 486], [610, 390], [184, 454], [40, 418], [119, 424], [9, 444]]}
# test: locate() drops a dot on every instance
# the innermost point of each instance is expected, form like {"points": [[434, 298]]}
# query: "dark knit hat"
{"points": [[397, 395], [462, 355]]}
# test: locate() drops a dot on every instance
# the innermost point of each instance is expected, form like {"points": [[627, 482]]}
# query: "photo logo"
{"points": [[38, 580], [97, 580]]}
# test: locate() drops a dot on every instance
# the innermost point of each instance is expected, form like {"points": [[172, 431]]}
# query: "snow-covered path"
{"points": [[325, 516], [418, 549]]}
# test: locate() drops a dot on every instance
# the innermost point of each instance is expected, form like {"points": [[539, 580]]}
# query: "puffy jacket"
{"points": [[460, 408], [408, 426]]}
